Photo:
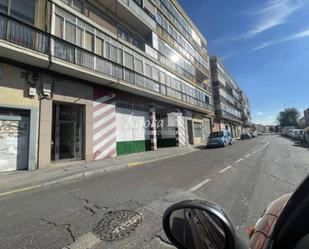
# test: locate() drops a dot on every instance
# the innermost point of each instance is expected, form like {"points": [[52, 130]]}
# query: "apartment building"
{"points": [[90, 79], [232, 106], [246, 110]]}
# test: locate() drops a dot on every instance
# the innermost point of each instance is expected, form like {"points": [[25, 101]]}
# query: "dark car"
{"points": [[245, 135]]}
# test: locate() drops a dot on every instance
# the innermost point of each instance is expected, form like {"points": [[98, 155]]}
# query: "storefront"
{"points": [[67, 132]]}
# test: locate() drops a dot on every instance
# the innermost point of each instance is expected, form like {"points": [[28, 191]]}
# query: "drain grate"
{"points": [[117, 225]]}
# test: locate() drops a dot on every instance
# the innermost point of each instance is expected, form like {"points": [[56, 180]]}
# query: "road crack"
{"points": [[67, 227]]}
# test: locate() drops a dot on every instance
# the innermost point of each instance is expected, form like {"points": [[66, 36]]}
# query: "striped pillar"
{"points": [[104, 124], [180, 131], [153, 129]]}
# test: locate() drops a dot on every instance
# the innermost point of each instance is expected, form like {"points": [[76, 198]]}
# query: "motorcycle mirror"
{"points": [[195, 224]]}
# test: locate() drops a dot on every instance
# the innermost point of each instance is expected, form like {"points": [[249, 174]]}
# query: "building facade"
{"points": [[231, 105], [86, 80]]}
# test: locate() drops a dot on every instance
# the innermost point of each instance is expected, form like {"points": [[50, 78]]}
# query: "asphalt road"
{"points": [[242, 178]]}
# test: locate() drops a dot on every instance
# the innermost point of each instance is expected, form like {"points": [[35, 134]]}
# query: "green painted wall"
{"points": [[166, 142], [128, 147]]}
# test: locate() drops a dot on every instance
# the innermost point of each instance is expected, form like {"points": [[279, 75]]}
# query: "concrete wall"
{"points": [[14, 93]]}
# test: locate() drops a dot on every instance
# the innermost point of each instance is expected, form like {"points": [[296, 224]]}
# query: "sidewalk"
{"points": [[20, 181]]}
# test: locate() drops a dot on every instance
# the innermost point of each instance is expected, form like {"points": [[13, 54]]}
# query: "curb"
{"points": [[100, 171], [67, 178]]}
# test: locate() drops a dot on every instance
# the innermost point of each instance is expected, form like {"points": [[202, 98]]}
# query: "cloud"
{"points": [[271, 14], [296, 36], [227, 55], [259, 113]]}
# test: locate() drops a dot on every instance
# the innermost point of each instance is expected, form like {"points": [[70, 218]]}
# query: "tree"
{"points": [[288, 117]]}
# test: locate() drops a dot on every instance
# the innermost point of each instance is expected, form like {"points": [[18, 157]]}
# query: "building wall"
{"points": [[14, 93], [65, 91], [132, 132]]}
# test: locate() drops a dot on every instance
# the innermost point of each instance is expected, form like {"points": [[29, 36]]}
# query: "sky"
{"points": [[265, 46]]}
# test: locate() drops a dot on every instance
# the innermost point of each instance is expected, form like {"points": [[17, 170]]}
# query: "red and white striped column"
{"points": [[180, 131], [104, 124], [153, 129]]}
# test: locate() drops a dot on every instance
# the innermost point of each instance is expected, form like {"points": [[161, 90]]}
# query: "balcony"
{"points": [[227, 115], [132, 13], [64, 57]]}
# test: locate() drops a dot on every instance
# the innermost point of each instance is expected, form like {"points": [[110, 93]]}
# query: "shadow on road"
{"points": [[297, 143]]}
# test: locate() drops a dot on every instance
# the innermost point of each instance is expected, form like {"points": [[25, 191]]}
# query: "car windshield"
{"points": [[216, 134]]}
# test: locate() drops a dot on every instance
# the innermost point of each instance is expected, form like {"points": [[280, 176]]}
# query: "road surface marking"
{"points": [[86, 241], [201, 184], [225, 169], [239, 160], [246, 156]]}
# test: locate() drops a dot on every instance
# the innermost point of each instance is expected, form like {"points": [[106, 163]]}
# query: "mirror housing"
{"points": [[201, 214]]}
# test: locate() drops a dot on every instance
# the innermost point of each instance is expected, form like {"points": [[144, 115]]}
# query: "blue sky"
{"points": [[265, 46]]}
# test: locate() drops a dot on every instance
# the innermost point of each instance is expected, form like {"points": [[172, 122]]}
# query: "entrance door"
{"points": [[67, 136], [14, 143], [190, 131]]}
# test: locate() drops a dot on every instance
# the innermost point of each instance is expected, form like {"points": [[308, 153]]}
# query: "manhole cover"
{"points": [[117, 225]]}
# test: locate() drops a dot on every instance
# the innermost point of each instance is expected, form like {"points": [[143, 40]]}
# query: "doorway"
{"points": [[67, 132], [190, 131], [14, 139]]}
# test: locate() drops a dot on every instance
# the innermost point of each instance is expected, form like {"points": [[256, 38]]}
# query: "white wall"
{"points": [[130, 125]]}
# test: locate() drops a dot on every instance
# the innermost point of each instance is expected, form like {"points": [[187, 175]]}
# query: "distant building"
{"points": [[306, 115], [232, 108]]}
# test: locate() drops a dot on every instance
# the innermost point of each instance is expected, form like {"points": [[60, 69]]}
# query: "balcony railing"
{"points": [[21, 34], [225, 114], [32, 38]]}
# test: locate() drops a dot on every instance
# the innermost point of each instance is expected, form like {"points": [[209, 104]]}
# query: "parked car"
{"points": [[219, 138], [253, 133], [301, 135], [260, 133], [245, 135]]}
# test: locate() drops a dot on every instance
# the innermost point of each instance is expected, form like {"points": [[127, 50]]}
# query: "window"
{"points": [[23, 10], [138, 2], [79, 37], [198, 129], [113, 53], [148, 70], [128, 60], [70, 32], [89, 44], [138, 65], [99, 46], [3, 6], [155, 74], [59, 26], [77, 4]]}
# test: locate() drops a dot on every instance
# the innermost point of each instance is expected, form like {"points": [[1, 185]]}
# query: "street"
{"points": [[242, 178]]}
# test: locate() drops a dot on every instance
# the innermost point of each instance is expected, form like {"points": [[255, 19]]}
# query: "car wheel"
{"points": [[231, 142]]}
